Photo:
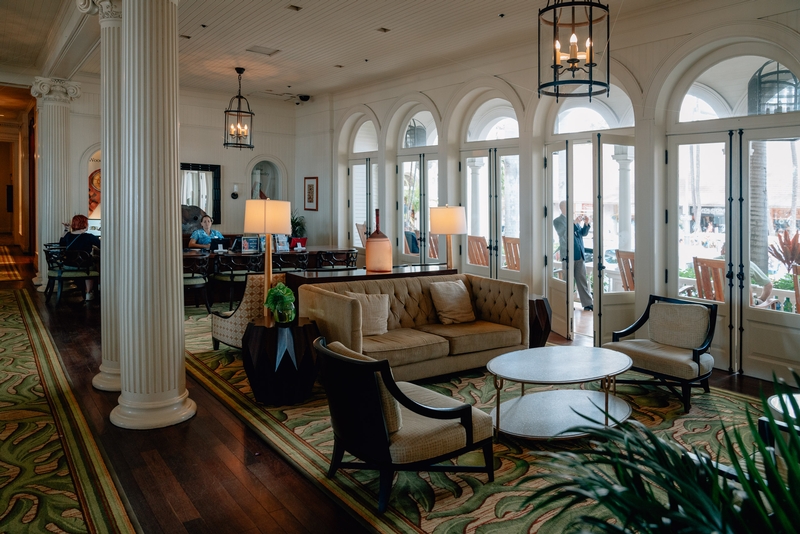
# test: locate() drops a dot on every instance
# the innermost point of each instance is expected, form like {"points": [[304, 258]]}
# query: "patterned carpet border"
{"points": [[103, 510], [9, 272], [435, 502]]}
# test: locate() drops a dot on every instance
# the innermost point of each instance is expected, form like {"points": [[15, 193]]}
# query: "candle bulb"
{"points": [[573, 47], [588, 50], [558, 52]]}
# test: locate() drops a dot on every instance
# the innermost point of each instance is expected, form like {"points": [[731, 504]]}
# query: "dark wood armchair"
{"points": [[64, 264], [396, 426]]}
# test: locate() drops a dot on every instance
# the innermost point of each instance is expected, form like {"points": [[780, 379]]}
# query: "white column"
{"points": [[624, 159], [110, 12], [53, 97], [151, 343]]}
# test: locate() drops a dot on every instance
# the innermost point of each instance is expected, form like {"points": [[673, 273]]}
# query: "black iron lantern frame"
{"points": [[238, 120], [584, 26]]}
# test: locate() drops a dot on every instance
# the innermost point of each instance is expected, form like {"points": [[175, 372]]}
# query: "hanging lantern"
{"points": [[238, 120], [573, 49]]}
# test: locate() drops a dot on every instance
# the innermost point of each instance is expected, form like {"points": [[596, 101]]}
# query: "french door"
{"points": [[560, 274], [418, 180], [491, 188], [363, 199]]}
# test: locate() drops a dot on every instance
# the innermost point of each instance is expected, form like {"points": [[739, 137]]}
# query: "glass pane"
{"points": [[359, 204], [509, 211], [773, 223], [432, 178], [618, 218], [558, 165], [494, 119], [701, 225], [411, 205], [421, 131], [478, 210], [366, 139]]}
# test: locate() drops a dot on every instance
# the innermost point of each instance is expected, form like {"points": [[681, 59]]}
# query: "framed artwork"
{"points": [[311, 202]]}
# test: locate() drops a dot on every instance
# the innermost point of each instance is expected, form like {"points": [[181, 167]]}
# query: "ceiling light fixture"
{"points": [[584, 69], [238, 120]]}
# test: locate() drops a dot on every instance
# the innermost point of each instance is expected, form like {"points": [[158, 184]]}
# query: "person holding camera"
{"points": [[580, 228]]}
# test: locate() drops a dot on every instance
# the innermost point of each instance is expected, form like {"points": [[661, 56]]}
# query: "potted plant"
{"points": [[280, 301], [298, 230]]}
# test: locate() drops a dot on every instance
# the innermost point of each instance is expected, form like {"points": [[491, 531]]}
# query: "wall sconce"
{"points": [[235, 192]]}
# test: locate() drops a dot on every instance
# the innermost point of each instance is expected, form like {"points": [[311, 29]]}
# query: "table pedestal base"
{"points": [[546, 414]]}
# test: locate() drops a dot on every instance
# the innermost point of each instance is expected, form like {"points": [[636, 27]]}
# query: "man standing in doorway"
{"points": [[579, 229]]}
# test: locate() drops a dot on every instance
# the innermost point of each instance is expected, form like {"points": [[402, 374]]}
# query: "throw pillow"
{"points": [[389, 405], [374, 313], [452, 302]]}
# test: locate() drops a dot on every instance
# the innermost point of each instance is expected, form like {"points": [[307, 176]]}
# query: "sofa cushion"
{"points": [[389, 405], [402, 346], [422, 438], [665, 359], [476, 336], [374, 312], [679, 325], [452, 302]]}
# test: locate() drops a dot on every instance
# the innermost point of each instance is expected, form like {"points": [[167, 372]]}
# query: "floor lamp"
{"points": [[265, 216], [449, 220]]}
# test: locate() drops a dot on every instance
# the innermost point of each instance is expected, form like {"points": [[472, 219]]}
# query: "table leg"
{"points": [[498, 385], [606, 388]]}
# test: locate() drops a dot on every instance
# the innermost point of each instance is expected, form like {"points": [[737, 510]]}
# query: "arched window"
{"points": [[494, 119], [366, 139], [420, 131], [581, 115], [580, 120]]}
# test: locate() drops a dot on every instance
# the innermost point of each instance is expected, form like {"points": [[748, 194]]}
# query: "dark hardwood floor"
{"points": [[209, 474]]}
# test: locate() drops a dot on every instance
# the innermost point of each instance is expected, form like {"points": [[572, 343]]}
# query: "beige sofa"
{"points": [[416, 344]]}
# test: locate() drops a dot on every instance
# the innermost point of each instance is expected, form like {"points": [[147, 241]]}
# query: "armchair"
{"points": [[229, 327], [64, 264], [396, 426], [676, 350]]}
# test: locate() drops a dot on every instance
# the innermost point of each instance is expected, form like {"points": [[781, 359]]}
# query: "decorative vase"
{"points": [[284, 312], [378, 249]]}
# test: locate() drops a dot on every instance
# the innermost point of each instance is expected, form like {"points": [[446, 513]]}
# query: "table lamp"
{"points": [[449, 220], [265, 216]]}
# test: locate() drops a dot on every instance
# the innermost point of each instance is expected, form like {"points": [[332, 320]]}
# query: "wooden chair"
{"points": [[710, 276], [625, 263], [433, 246], [332, 259], [64, 264], [511, 247], [289, 261], [233, 269], [362, 233], [676, 349], [396, 426], [195, 276], [477, 250]]}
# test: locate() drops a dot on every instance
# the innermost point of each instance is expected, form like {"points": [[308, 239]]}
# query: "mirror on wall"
{"points": [[201, 187], [264, 180]]}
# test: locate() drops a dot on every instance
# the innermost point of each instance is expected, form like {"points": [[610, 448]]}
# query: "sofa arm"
{"points": [[501, 302], [338, 317]]}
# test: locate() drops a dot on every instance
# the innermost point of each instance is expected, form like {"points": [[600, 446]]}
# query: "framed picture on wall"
{"points": [[311, 202]]}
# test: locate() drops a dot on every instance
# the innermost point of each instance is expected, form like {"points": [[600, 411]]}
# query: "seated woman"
{"points": [[202, 237], [78, 239]]}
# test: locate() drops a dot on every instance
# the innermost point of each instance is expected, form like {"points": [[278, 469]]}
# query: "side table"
{"points": [[280, 380]]}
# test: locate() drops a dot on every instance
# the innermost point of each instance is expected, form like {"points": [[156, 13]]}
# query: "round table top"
{"points": [[775, 404], [559, 365]]}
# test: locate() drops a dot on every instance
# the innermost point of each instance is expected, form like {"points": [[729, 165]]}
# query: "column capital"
{"points": [[107, 9], [55, 90], [87, 6]]}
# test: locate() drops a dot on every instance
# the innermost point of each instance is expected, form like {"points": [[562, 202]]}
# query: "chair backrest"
{"points": [[433, 246], [795, 276], [477, 250], [354, 402], [412, 245], [710, 276], [511, 247], [239, 263], [625, 263], [362, 233], [76, 260], [196, 265], [332, 259], [292, 261]]}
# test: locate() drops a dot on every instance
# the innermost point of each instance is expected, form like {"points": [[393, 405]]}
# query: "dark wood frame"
{"points": [[306, 181], [216, 171]]}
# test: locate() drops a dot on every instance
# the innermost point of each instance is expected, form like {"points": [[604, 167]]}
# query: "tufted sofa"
{"points": [[416, 344]]}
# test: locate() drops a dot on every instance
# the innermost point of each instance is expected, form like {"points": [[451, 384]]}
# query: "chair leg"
{"points": [[60, 288], [705, 385], [387, 475], [215, 343], [686, 394], [336, 458], [488, 458], [230, 301], [205, 297], [48, 291]]}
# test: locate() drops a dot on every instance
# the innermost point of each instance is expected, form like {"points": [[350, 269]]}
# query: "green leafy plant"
{"points": [[649, 485], [788, 249], [298, 225], [785, 282], [280, 301]]}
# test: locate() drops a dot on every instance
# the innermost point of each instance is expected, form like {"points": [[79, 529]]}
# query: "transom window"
{"points": [[366, 139], [494, 119], [421, 131]]}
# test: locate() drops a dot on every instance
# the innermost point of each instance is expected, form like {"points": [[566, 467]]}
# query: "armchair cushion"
{"points": [[665, 359], [374, 312], [389, 406], [679, 325], [452, 302], [475, 336], [422, 437], [402, 346]]}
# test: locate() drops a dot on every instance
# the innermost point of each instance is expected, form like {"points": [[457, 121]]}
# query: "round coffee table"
{"points": [[547, 414]]}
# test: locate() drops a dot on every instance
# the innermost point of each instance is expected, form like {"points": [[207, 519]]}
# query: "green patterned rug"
{"points": [[438, 502], [52, 476]]}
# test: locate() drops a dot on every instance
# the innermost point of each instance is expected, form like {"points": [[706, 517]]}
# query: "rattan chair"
{"points": [[195, 276]]}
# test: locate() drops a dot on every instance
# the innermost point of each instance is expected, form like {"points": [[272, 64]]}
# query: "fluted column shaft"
{"points": [[53, 99], [151, 342]]}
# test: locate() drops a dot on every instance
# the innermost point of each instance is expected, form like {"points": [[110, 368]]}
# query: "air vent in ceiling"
{"points": [[263, 50], [293, 7]]}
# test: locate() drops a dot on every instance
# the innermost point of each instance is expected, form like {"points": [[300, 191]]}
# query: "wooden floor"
{"points": [[210, 474]]}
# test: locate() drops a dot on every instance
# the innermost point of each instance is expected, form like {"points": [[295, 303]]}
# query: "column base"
{"points": [[108, 379], [146, 415], [38, 281]]}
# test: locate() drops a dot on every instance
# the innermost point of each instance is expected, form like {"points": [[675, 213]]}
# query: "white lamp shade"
{"points": [[95, 213], [267, 217], [449, 220]]}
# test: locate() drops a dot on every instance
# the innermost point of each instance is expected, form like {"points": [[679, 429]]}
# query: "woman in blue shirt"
{"points": [[202, 238]]}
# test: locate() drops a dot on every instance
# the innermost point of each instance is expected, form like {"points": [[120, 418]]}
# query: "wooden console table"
{"points": [[296, 279]]}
